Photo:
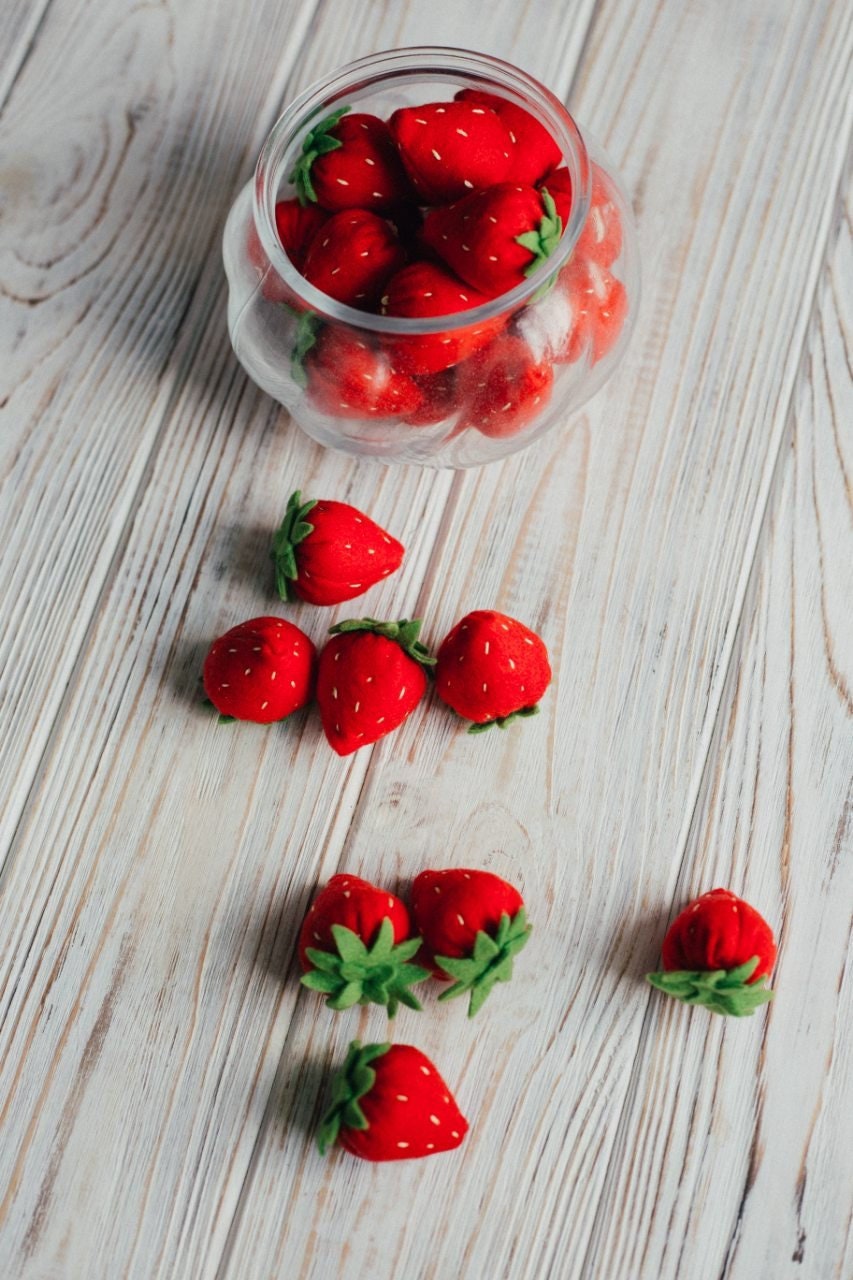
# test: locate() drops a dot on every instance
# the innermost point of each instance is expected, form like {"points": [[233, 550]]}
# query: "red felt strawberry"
{"points": [[352, 256], [326, 552], [535, 153], [601, 238], [506, 387], [450, 148], [346, 378], [350, 162], [599, 304], [425, 289], [369, 680], [355, 946], [261, 670], [390, 1103], [559, 186], [491, 669], [440, 398], [494, 239], [296, 226], [473, 923], [718, 953]]}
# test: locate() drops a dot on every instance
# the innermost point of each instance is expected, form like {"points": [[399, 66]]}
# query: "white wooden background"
{"points": [[686, 547]]}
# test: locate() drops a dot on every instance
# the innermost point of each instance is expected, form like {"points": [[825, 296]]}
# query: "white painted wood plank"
{"points": [[745, 1169], [19, 24]]}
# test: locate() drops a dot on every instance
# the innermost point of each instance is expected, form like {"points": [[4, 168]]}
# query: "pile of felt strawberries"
{"points": [[440, 209]]}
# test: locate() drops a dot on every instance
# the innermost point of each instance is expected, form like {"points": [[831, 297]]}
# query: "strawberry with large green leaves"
{"points": [[349, 161]]}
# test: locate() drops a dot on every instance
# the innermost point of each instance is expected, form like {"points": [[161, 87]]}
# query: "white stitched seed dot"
{"points": [[459, 918], [225, 686], [365, 254], [337, 657], [464, 297], [264, 706], [418, 120], [343, 182], [400, 694], [462, 657], [346, 893], [485, 688], [511, 665], [425, 1070], [402, 1097], [467, 248], [356, 707], [358, 520], [427, 293], [508, 405], [462, 133], [468, 184], [354, 585], [273, 676], [486, 647], [430, 1146], [403, 1145], [335, 271], [377, 194], [436, 154], [317, 936], [334, 693], [527, 640], [493, 257], [439, 111], [232, 650], [434, 1120], [293, 684], [367, 160], [325, 242], [390, 901], [381, 720], [521, 687], [454, 1134], [369, 680], [512, 136], [337, 728], [248, 671]]}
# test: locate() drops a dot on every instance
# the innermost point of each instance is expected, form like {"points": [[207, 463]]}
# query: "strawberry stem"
{"points": [[307, 328], [380, 974], [317, 142], [725, 991], [355, 1078], [543, 241], [293, 530], [490, 961], [405, 633], [523, 713]]}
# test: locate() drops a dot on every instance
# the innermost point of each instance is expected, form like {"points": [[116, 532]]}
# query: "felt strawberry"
{"points": [[506, 387], [426, 289], [352, 256], [390, 1103], [535, 153], [491, 669], [346, 378], [326, 552], [450, 148], [472, 923], [349, 161], [440, 398], [355, 946], [369, 680], [559, 187], [601, 237], [261, 670], [494, 239], [296, 226], [599, 304], [718, 953]]}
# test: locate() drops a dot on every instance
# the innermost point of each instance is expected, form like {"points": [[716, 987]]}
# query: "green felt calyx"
{"points": [[491, 961], [358, 974], [307, 327], [523, 713], [317, 142], [405, 633], [294, 529], [355, 1078], [725, 991], [543, 241]]}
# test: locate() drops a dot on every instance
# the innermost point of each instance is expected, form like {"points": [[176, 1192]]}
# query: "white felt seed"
{"points": [[317, 936], [485, 688], [466, 183], [337, 728], [343, 405], [381, 720], [454, 1134], [232, 650], [527, 640], [335, 271], [464, 297], [346, 893], [334, 693], [537, 399], [365, 254], [402, 1097], [377, 194], [390, 901], [337, 657], [521, 687], [493, 257], [384, 300], [486, 647], [491, 219], [444, 237], [462, 133], [273, 676], [427, 294], [508, 405], [343, 182], [504, 626], [512, 137], [248, 671], [293, 684], [434, 1120], [418, 120], [356, 707], [354, 585], [460, 919], [425, 1070], [734, 908], [358, 520], [385, 538], [478, 111], [325, 242], [462, 657], [511, 665], [370, 680], [367, 160], [264, 706], [225, 686], [430, 1146], [403, 1145], [467, 248], [400, 694], [436, 154], [447, 1095]]}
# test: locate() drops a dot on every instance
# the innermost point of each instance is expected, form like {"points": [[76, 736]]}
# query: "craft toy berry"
{"points": [[599, 306], [473, 924], [451, 148], [297, 226], [352, 256], [491, 669], [355, 946], [346, 378], [718, 953], [370, 677], [326, 552], [261, 670], [390, 1103], [349, 161], [427, 289], [534, 151], [601, 237], [506, 387]]}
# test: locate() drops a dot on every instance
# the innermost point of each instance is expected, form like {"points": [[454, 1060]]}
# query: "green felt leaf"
{"points": [[294, 529], [317, 980], [356, 974], [307, 329], [346, 997], [225, 719], [544, 239], [317, 142], [501, 722], [725, 991], [350, 946], [490, 963], [354, 1080], [405, 633]]}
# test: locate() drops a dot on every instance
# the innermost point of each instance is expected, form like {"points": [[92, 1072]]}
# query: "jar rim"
{"points": [[426, 62]]}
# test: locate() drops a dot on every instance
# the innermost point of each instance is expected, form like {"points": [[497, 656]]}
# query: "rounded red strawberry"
{"points": [[390, 1103], [297, 225], [472, 923], [440, 398], [352, 256], [599, 304], [534, 151], [718, 953], [491, 669], [494, 239], [427, 289], [261, 670], [506, 387], [346, 378], [355, 946], [350, 162], [326, 552], [450, 148], [370, 678], [601, 238]]}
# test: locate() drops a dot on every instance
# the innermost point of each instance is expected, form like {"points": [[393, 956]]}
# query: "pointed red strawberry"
{"points": [[390, 1103], [346, 378], [534, 153], [494, 239], [352, 256], [601, 238], [450, 148], [261, 670], [425, 289], [355, 946], [506, 387], [296, 226], [718, 953], [472, 923], [599, 304], [350, 162], [370, 678], [440, 398], [491, 669], [326, 552], [559, 186]]}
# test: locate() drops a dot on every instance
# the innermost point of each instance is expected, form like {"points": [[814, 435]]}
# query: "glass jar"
{"points": [[550, 341]]}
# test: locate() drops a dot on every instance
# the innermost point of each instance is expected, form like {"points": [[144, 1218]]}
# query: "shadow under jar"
{"points": [[516, 365]]}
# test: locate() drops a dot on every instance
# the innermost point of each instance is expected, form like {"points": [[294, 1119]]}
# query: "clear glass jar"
{"points": [[573, 314]]}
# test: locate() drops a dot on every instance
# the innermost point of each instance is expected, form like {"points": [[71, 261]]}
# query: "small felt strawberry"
{"points": [[506, 387], [718, 953], [370, 678], [440, 398], [352, 256], [355, 946], [350, 162], [559, 187], [390, 1103], [473, 923], [492, 669], [425, 289], [599, 304], [494, 239], [261, 670], [296, 226], [535, 153], [601, 238], [450, 148], [346, 378], [326, 552]]}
